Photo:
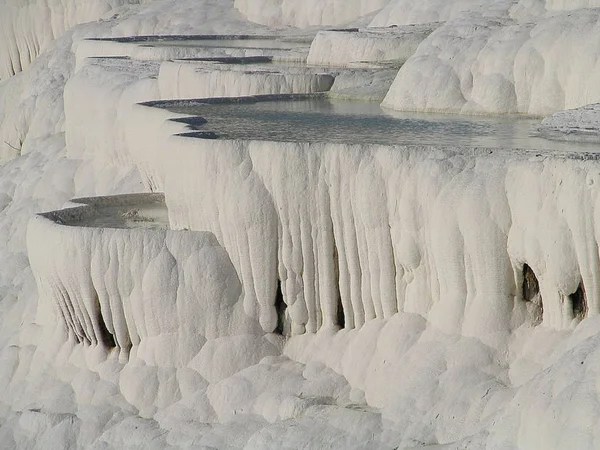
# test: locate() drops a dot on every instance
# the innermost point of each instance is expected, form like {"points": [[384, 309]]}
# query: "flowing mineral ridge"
{"points": [[299, 224]]}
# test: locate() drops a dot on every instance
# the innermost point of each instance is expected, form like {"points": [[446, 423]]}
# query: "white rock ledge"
{"points": [[199, 79], [393, 45], [156, 293], [161, 48], [574, 124], [355, 232]]}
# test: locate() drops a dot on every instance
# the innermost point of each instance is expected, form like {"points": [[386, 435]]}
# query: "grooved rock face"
{"points": [[157, 293], [498, 61], [396, 273], [27, 28]]}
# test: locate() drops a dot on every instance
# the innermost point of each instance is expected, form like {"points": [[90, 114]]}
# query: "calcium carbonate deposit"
{"points": [[289, 224]]}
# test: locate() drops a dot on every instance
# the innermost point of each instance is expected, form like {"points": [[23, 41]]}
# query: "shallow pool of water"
{"points": [[229, 43], [223, 41], [134, 216], [322, 119], [119, 211]]}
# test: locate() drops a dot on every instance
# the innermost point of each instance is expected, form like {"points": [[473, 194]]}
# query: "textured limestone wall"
{"points": [[160, 294], [368, 231], [28, 27]]}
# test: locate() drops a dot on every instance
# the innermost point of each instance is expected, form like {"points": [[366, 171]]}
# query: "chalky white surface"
{"points": [[197, 80], [438, 348], [368, 45], [506, 58]]}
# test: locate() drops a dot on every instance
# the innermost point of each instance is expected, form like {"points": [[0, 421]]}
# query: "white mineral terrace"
{"points": [[231, 77], [218, 231], [383, 46], [339, 243], [326, 177], [243, 76], [107, 265], [185, 46]]}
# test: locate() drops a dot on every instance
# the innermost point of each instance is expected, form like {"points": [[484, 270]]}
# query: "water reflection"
{"points": [[343, 121]]}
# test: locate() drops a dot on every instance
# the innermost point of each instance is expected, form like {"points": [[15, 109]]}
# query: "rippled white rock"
{"points": [[578, 123], [197, 80], [376, 266], [346, 47], [471, 377], [490, 61], [277, 13], [28, 28], [157, 293]]}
